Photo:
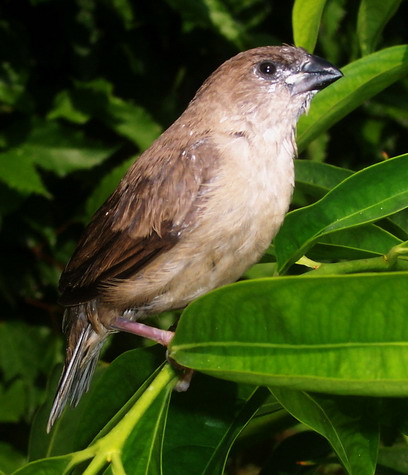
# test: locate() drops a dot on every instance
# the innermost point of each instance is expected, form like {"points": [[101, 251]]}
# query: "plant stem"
{"points": [[110, 446], [374, 264]]}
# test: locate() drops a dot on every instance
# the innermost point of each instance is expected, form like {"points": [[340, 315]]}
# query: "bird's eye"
{"points": [[267, 68]]}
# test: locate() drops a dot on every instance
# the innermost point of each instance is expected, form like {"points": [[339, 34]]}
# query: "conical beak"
{"points": [[315, 74]]}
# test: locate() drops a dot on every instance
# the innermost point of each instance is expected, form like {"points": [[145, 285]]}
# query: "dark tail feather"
{"points": [[84, 346]]}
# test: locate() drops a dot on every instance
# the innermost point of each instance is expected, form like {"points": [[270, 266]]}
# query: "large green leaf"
{"points": [[373, 15], [362, 79], [366, 196], [348, 423], [339, 334], [306, 15]]}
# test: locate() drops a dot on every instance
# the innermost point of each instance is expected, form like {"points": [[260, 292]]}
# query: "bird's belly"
{"points": [[232, 229], [210, 257]]}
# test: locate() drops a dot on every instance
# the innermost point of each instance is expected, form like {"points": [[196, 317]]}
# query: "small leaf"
{"points": [[18, 171], [64, 108], [306, 16], [96, 99], [63, 150], [12, 401], [346, 422], [224, 22], [366, 196], [373, 15], [318, 178], [355, 243]]}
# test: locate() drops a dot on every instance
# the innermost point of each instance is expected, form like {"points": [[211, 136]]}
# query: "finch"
{"points": [[196, 210]]}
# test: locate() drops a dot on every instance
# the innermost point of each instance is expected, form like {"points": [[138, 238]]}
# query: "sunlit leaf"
{"points": [[373, 15], [366, 196], [336, 334], [306, 17]]}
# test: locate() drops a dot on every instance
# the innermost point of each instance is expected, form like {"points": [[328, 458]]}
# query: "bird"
{"points": [[195, 210]]}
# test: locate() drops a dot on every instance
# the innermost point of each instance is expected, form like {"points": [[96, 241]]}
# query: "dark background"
{"points": [[84, 86]]}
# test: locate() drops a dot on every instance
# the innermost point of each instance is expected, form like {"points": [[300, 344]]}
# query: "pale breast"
{"points": [[243, 209]]}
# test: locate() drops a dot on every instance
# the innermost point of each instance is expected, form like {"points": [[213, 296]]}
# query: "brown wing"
{"points": [[143, 218]]}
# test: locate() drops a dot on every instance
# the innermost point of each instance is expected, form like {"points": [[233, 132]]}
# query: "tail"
{"points": [[83, 348]]}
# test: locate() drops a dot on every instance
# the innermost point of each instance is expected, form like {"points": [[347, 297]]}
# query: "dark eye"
{"points": [[267, 68]]}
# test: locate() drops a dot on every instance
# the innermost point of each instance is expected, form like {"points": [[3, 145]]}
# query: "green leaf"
{"points": [[13, 90], [218, 461], [318, 178], [366, 196], [142, 449], [23, 350], [198, 441], [96, 99], [131, 121], [347, 423], [18, 171], [12, 401], [214, 13], [64, 108], [119, 386], [362, 79], [124, 10], [306, 16], [10, 458], [224, 22], [336, 334], [400, 219], [355, 243], [373, 15], [395, 458], [53, 147], [52, 466], [63, 150]]}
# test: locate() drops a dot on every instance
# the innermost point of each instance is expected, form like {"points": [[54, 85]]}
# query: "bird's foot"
{"points": [[163, 337], [185, 377]]}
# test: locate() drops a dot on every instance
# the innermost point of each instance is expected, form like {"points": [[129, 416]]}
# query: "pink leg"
{"points": [[160, 336]]}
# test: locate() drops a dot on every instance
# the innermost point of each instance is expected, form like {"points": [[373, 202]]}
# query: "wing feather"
{"points": [[144, 217]]}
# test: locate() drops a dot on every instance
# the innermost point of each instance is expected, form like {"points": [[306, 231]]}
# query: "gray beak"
{"points": [[316, 73]]}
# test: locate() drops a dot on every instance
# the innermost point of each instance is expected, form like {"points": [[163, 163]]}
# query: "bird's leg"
{"points": [[163, 337]]}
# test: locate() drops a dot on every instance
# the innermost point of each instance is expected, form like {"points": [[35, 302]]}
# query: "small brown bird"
{"points": [[198, 208]]}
